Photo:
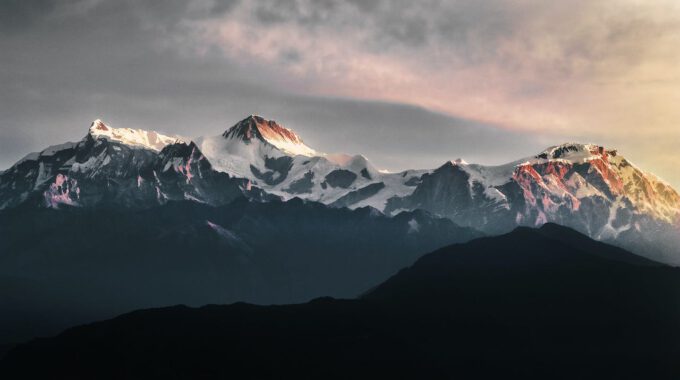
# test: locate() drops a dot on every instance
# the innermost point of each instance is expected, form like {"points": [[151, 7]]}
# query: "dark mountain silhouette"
{"points": [[59, 268], [534, 303]]}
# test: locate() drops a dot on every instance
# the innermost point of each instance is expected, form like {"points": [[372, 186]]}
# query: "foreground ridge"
{"points": [[533, 303]]}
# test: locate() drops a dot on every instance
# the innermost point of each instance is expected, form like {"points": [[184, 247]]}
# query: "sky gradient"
{"points": [[408, 84]]}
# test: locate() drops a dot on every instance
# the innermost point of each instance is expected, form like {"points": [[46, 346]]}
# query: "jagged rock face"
{"points": [[277, 160], [101, 171], [31, 176], [256, 127], [603, 195], [585, 187], [449, 191], [181, 172], [108, 172]]}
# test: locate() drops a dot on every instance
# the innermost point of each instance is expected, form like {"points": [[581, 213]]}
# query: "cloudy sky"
{"points": [[408, 84]]}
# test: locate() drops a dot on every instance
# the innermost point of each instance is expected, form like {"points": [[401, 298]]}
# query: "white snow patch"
{"points": [[134, 137]]}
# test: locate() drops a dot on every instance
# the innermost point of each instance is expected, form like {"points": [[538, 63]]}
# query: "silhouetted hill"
{"points": [[547, 303]]}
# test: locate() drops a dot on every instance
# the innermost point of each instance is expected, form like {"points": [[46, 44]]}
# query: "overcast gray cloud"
{"points": [[501, 79]]}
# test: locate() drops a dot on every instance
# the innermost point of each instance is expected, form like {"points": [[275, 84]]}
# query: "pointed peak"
{"points": [[246, 129], [456, 162], [98, 125], [257, 128]]}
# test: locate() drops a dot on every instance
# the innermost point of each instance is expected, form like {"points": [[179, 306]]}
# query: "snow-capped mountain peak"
{"points": [[574, 152], [277, 160], [585, 186], [134, 137], [458, 161], [269, 131]]}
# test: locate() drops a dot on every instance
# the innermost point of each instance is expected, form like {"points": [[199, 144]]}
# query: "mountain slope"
{"points": [[276, 159], [73, 265], [546, 303], [554, 184], [133, 137], [587, 187], [121, 167], [255, 129]]}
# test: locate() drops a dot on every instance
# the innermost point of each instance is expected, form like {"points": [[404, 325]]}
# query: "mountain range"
{"points": [[587, 187], [128, 219], [530, 304]]}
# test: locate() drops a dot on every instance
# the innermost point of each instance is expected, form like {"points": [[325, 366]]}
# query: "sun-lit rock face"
{"points": [[572, 152], [257, 128], [598, 187], [582, 170], [587, 187]]}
